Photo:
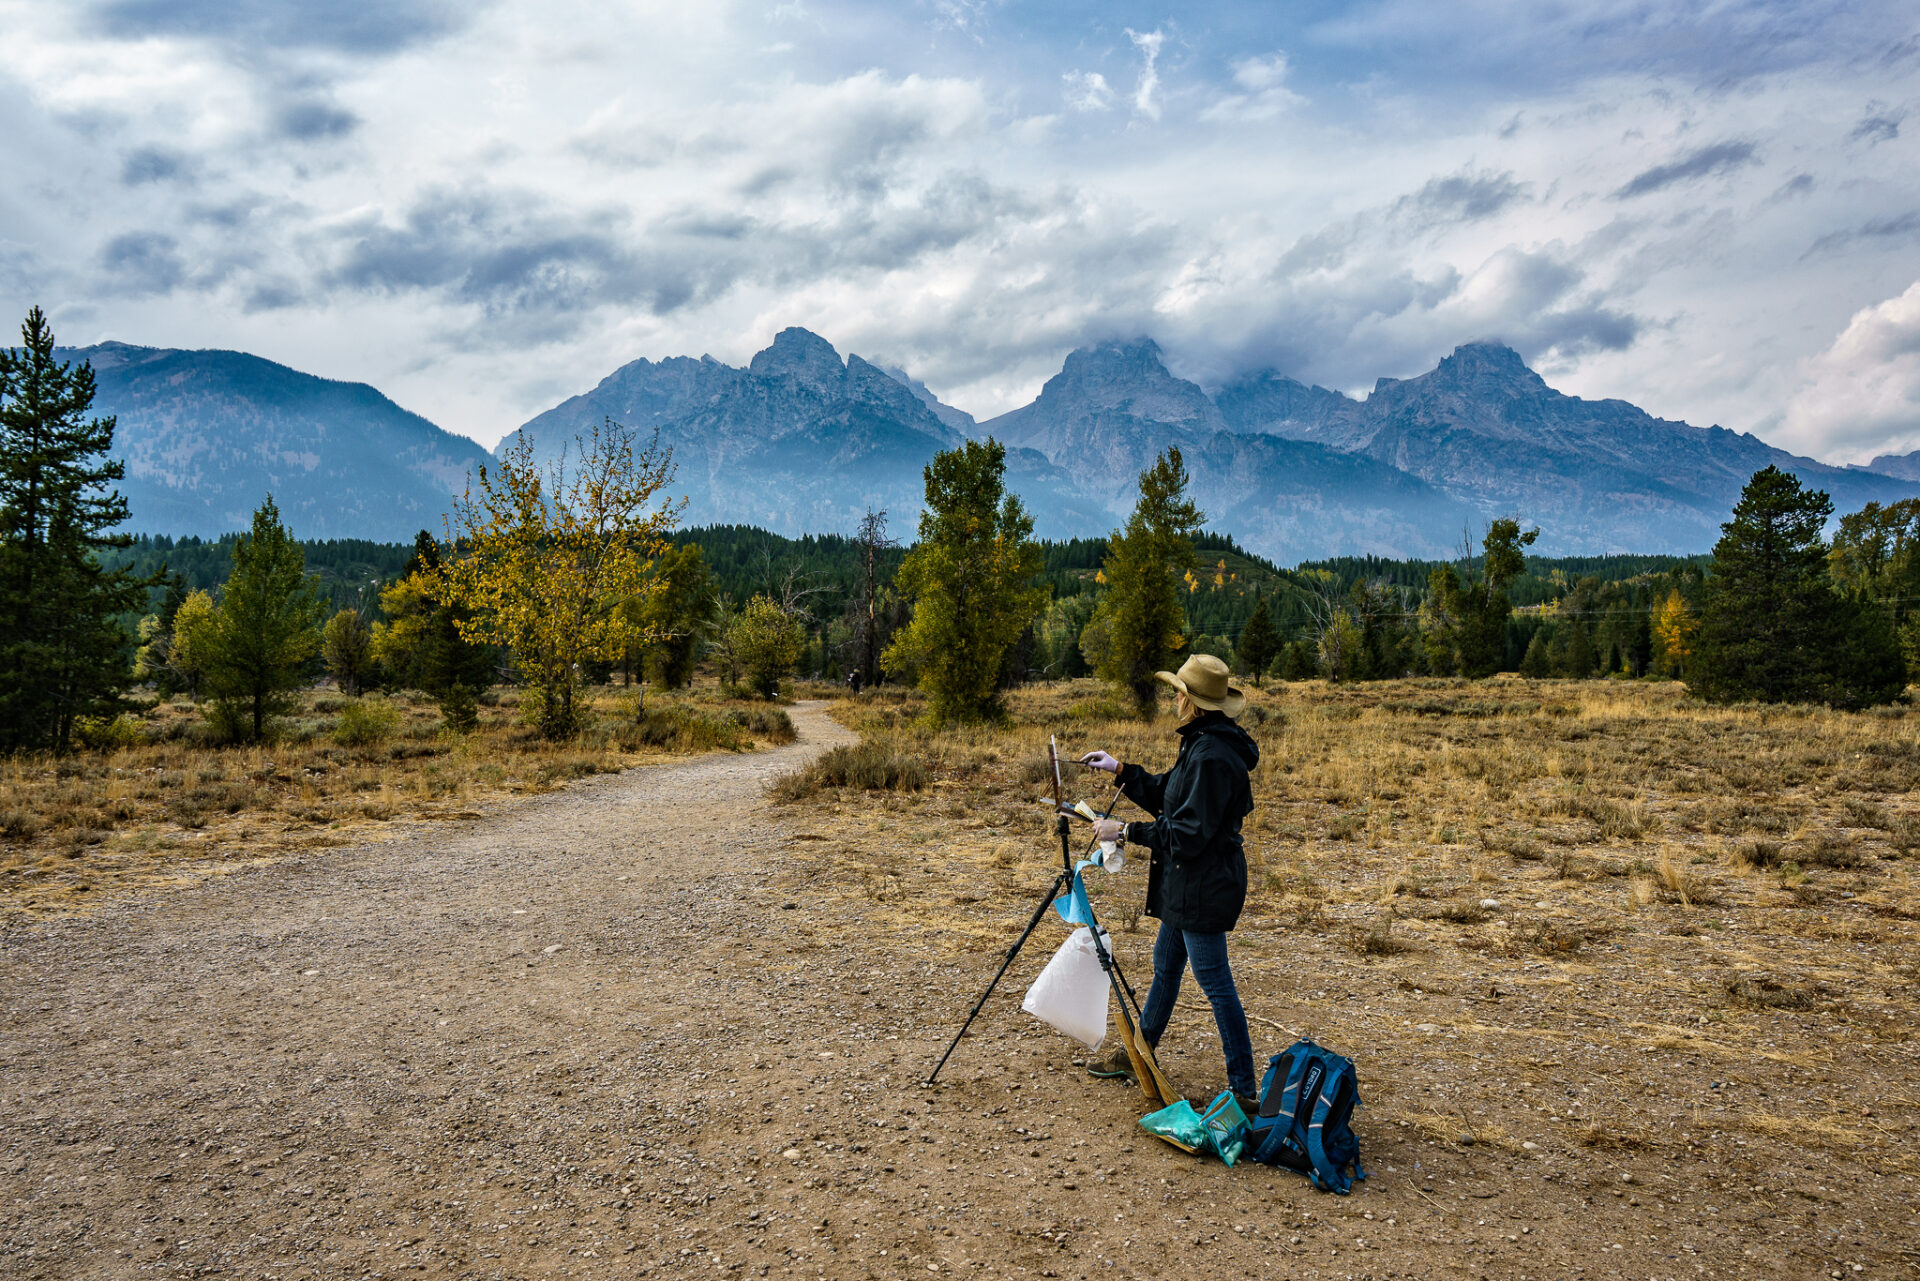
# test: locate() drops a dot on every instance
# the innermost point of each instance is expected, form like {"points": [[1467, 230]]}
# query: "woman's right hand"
{"points": [[1100, 760]]}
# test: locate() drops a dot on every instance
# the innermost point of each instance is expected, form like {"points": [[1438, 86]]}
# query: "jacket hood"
{"points": [[1219, 726]]}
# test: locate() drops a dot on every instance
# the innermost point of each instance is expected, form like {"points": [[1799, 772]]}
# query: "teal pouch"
{"points": [[1226, 1127], [1179, 1125]]}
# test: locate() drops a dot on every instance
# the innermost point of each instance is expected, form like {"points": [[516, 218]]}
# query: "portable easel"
{"points": [[1153, 1083]]}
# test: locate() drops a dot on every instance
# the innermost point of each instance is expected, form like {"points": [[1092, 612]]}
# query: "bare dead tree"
{"points": [[872, 541]]}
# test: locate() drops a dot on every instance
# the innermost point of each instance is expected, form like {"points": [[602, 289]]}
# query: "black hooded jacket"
{"points": [[1198, 880]]}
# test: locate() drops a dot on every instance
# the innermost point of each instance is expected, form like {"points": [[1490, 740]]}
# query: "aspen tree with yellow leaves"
{"points": [[1674, 624], [544, 562]]}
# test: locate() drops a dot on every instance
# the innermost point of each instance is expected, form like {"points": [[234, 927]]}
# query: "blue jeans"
{"points": [[1172, 950]]}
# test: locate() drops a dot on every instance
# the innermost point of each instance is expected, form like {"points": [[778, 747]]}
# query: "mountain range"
{"points": [[802, 440], [206, 435]]}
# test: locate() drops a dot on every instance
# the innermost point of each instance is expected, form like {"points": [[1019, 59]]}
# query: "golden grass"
{"points": [[1662, 894], [72, 827]]}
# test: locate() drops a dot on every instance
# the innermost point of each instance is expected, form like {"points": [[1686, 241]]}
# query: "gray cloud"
{"points": [[1899, 226], [512, 253], [155, 164], [1466, 196], [141, 263], [1579, 331], [345, 26], [274, 295], [313, 121], [1720, 157], [1801, 184], [1878, 125]]}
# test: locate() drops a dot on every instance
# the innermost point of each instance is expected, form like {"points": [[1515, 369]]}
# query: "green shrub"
{"points": [[869, 766], [19, 824], [366, 721], [766, 724], [103, 734], [679, 729]]}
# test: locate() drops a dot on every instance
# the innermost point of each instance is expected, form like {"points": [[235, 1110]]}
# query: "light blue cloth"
{"points": [[1073, 906]]}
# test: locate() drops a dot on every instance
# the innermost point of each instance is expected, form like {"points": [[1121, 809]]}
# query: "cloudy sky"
{"points": [[1709, 208]]}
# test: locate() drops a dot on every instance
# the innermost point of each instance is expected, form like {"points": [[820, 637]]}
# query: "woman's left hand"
{"points": [[1109, 829]]}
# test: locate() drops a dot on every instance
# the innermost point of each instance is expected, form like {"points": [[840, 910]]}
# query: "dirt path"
{"points": [[609, 1032]]}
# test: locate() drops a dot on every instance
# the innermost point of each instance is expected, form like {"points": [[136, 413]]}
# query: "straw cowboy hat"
{"points": [[1203, 679]]}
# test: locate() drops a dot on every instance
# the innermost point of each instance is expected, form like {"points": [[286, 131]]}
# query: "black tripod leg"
{"points": [[1040, 911], [1111, 964]]}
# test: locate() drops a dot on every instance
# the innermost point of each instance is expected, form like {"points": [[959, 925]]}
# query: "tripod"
{"points": [[1146, 1071]]}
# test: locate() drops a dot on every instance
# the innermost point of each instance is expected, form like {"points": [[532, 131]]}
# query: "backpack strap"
{"points": [[1324, 1173], [1291, 1117]]}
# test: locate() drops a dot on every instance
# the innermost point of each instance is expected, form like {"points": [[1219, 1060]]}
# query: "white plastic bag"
{"points": [[1071, 993]]}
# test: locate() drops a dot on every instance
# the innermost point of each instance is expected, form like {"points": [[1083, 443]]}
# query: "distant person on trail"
{"points": [[853, 682], [1197, 882]]}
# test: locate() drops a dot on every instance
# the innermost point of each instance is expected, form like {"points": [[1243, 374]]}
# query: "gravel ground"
{"points": [[611, 1032]]}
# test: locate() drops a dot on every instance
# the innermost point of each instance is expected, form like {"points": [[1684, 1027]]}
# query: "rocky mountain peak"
{"points": [[1130, 377], [804, 356], [958, 419], [1132, 359], [1481, 364]]}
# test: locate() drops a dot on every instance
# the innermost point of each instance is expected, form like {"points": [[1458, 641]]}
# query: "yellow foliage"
{"points": [[545, 570], [409, 603], [1674, 624]]}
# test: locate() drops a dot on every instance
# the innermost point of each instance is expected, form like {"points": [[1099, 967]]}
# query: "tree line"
{"points": [[557, 581]]}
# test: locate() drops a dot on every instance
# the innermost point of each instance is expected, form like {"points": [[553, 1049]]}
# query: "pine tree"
{"points": [[1296, 662], [678, 615], [64, 654], [1259, 642], [347, 646], [422, 647], [1464, 623], [1773, 628], [971, 583], [1146, 566], [1535, 663], [265, 630]]}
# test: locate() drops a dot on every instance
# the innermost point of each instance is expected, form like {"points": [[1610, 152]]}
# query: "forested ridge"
{"points": [[1228, 582]]}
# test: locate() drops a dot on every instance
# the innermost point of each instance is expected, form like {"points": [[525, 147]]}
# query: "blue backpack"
{"points": [[1306, 1105]]}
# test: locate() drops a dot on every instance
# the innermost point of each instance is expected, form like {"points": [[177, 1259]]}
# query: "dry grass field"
{"points": [[1573, 931], [168, 807]]}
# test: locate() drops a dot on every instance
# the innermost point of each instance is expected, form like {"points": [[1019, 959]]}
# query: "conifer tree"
{"points": [[1773, 627], [347, 646], [1146, 566], [678, 614], [1464, 623], [63, 652], [971, 582], [1296, 662], [1535, 663], [265, 629], [422, 647], [1259, 642]]}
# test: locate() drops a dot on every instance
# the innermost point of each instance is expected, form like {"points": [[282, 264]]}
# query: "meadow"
{"points": [[1592, 930], [159, 801]]}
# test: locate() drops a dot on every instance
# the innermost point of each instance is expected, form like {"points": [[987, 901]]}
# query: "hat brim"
{"points": [[1233, 704]]}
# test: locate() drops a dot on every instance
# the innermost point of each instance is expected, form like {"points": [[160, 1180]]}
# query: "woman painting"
{"points": [[1197, 882]]}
